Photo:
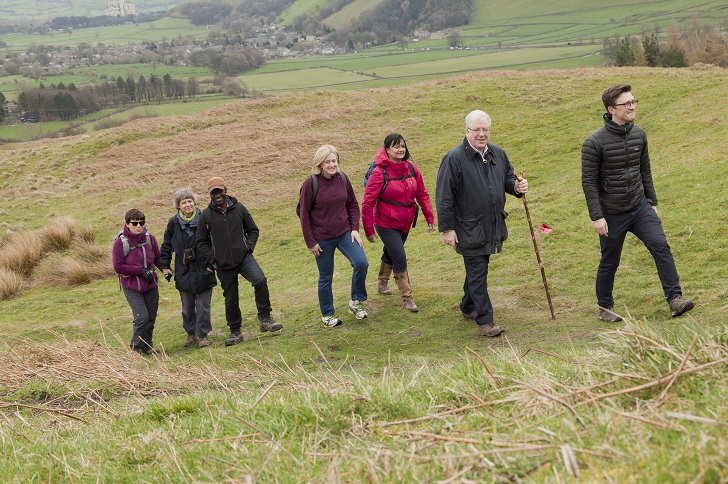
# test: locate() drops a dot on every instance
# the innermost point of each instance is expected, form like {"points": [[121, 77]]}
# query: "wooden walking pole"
{"points": [[535, 248]]}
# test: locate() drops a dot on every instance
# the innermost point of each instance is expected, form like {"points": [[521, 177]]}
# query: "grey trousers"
{"points": [[144, 310]]}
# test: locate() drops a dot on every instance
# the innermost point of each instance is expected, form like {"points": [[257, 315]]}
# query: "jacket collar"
{"points": [[614, 128]]}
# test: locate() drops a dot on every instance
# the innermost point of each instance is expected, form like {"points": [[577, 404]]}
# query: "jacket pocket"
{"points": [[471, 233]]}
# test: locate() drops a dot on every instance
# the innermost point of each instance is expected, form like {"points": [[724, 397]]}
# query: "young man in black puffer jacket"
{"points": [[617, 182]]}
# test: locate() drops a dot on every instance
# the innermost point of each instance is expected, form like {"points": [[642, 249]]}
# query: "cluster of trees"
{"points": [[231, 61], [62, 23], [60, 102], [681, 48]]}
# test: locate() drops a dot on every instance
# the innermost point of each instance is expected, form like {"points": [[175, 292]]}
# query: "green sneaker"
{"points": [[357, 309]]}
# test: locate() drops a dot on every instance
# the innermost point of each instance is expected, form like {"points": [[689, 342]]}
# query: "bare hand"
{"points": [[450, 238], [521, 185], [355, 237], [315, 250], [372, 238], [167, 272], [600, 226], [430, 228], [654, 207]]}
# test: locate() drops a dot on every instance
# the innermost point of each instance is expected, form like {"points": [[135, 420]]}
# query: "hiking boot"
{"points": [[609, 315], [150, 350], [680, 305], [191, 339], [331, 321], [203, 342], [385, 272], [409, 304], [471, 315], [490, 329], [235, 338], [357, 309], [268, 324]]}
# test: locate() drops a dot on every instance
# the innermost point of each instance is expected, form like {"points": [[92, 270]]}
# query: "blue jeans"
{"points": [[325, 263], [475, 288], [646, 225], [251, 272], [196, 312]]}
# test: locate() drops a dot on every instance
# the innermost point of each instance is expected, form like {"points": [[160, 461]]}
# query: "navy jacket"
{"points": [[471, 196]]}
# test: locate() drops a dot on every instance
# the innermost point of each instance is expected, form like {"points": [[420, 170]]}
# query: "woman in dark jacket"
{"points": [[192, 277], [394, 190], [134, 255]]}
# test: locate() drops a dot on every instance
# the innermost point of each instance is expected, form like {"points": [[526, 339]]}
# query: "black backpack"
{"points": [[314, 188]]}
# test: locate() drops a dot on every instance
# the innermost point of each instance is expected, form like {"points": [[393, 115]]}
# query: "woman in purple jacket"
{"points": [[135, 253], [330, 220]]}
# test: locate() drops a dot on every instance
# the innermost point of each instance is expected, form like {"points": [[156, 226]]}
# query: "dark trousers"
{"points": [[144, 310], [475, 288], [251, 272], [393, 252], [196, 312], [646, 225]]}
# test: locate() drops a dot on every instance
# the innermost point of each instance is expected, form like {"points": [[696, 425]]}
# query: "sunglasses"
{"points": [[137, 223]]}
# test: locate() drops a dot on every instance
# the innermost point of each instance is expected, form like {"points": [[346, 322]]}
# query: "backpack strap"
{"points": [[411, 174]]}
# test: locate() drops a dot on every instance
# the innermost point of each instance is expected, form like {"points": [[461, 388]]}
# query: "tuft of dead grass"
{"points": [[22, 252], [11, 284], [68, 270], [58, 234]]}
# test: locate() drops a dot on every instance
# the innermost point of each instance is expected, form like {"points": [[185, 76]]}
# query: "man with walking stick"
{"points": [[617, 182], [471, 185]]}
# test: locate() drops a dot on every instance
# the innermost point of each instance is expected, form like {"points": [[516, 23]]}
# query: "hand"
{"points": [[167, 272], [315, 250], [372, 238], [148, 275], [600, 226], [355, 237], [521, 185], [654, 207], [450, 238], [430, 228]]}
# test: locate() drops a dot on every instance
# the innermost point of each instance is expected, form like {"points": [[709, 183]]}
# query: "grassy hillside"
{"points": [[42, 10], [397, 397]]}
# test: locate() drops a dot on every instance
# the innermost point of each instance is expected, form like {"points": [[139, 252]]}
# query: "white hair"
{"points": [[476, 115]]}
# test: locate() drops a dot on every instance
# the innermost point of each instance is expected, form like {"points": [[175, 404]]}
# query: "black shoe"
{"points": [[679, 306], [235, 338], [609, 315]]}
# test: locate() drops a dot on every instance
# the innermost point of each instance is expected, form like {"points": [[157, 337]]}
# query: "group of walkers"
{"points": [[217, 243]]}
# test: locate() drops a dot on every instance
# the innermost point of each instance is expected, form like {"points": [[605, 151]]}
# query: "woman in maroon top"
{"points": [[394, 190], [330, 220]]}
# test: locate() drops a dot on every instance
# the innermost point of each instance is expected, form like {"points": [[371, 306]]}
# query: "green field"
{"points": [[397, 397], [48, 9]]}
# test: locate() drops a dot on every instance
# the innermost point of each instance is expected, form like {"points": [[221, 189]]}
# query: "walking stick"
{"points": [[538, 255]]}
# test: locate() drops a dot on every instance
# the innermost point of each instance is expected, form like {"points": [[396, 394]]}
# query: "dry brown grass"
{"points": [[85, 233], [58, 234], [68, 270], [11, 283], [22, 252]]}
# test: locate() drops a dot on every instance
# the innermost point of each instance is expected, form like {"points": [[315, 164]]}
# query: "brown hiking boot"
{"points": [[268, 324], [609, 315], [385, 271], [190, 340], [679, 306], [471, 315], [203, 342], [491, 330]]}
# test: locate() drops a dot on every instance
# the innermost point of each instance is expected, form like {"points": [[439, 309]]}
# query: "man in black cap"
{"points": [[227, 236]]}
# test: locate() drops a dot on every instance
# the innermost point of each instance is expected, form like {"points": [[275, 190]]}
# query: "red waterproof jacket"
{"points": [[376, 211]]}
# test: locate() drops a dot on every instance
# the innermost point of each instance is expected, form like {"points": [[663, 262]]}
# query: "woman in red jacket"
{"points": [[392, 194]]}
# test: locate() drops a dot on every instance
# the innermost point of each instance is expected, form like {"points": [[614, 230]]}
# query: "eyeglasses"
{"points": [[633, 102], [137, 223], [480, 130]]}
